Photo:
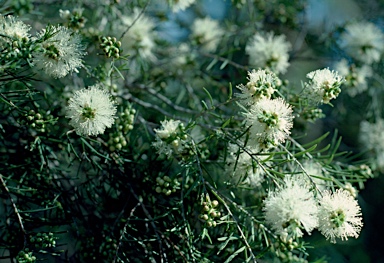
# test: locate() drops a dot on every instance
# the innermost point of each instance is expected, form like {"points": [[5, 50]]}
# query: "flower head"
{"points": [[140, 38], [61, 52], [339, 215], [261, 84], [290, 209], [91, 110], [323, 85], [271, 121], [171, 138], [180, 5], [14, 29], [371, 137], [207, 33], [269, 51], [363, 41], [355, 77]]}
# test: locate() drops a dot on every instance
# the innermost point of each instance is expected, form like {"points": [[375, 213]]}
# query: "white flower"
{"points": [[310, 177], [261, 84], [91, 110], [323, 85], [244, 168], [269, 51], [371, 138], [270, 121], [171, 138], [290, 209], [169, 128], [355, 77], [14, 29], [339, 215], [61, 52], [207, 33], [180, 5], [140, 37], [363, 41]]}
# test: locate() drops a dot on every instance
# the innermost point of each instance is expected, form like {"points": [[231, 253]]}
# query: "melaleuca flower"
{"points": [[243, 167], [270, 122], [371, 138], [269, 51], [139, 40], [363, 41], [323, 85], [309, 173], [290, 209], [355, 77], [180, 5], [206, 33], [12, 30], [61, 51], [261, 85], [339, 215], [91, 110], [171, 138]]}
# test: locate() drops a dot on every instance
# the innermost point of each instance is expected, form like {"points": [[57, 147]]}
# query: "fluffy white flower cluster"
{"points": [[139, 40], [12, 29], [371, 137], [291, 209], [171, 138], [363, 41], [294, 207], [355, 77], [323, 85], [270, 122], [261, 85], [339, 215], [180, 5], [269, 51], [207, 33], [61, 53], [91, 110]]}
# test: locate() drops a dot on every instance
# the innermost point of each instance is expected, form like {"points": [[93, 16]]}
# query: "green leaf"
{"points": [[205, 234], [226, 241], [235, 254]]}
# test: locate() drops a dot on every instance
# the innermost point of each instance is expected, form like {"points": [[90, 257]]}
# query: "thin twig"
{"points": [[235, 220], [151, 222], [15, 209], [134, 21], [123, 232]]}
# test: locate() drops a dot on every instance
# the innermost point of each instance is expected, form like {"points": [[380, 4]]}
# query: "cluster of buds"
{"points": [[75, 19], [331, 91], [166, 185], [313, 114], [124, 124], [25, 256], [287, 243], [36, 120], [209, 212], [108, 248], [365, 171], [43, 240], [88, 248], [110, 46], [18, 48]]}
